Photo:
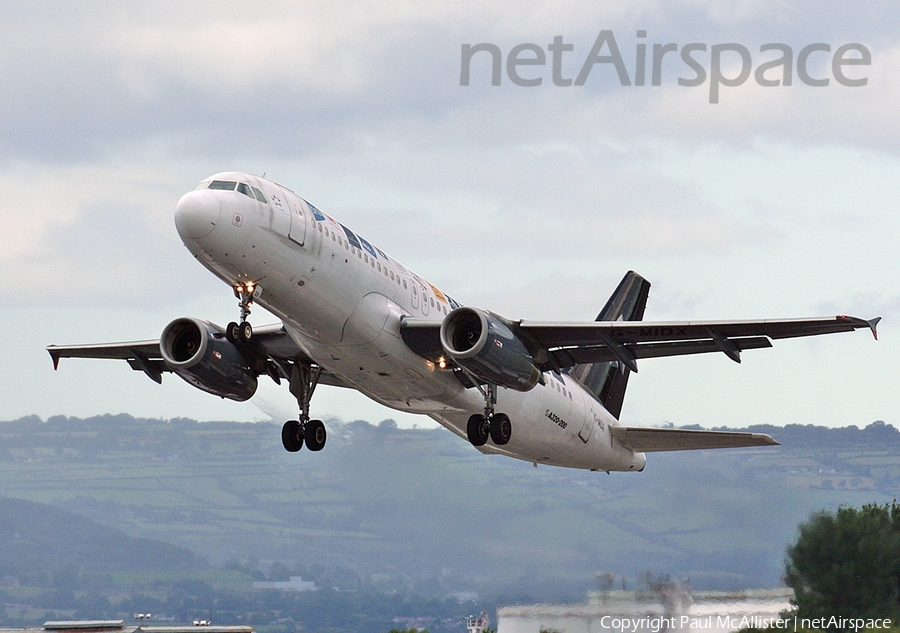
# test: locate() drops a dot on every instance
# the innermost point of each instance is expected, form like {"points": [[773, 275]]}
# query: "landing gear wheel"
{"points": [[291, 436], [477, 430], [304, 378], [501, 428], [233, 333], [314, 435], [245, 332]]}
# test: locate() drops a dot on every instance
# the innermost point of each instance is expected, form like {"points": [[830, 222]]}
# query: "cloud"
{"points": [[302, 78], [91, 234]]}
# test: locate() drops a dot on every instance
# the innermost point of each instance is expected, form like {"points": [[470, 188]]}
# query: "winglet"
{"points": [[872, 324], [55, 357]]}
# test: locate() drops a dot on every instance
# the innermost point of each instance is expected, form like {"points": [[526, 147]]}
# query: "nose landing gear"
{"points": [[241, 333]]}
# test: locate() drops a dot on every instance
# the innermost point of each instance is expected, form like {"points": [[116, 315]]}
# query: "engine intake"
{"points": [[483, 344], [200, 354]]}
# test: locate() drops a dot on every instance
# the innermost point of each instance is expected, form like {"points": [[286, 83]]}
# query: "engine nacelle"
{"points": [[481, 343], [200, 354]]}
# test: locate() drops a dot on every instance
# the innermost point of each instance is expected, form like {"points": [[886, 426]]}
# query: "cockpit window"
{"points": [[202, 185], [224, 185], [259, 195], [245, 189]]}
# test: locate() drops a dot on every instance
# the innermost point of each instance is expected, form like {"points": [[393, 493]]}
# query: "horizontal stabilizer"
{"points": [[649, 440]]}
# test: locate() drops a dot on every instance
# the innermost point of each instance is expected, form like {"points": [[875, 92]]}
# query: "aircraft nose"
{"points": [[197, 214]]}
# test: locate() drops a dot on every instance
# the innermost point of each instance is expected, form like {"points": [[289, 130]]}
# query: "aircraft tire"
{"points": [[232, 333], [501, 429], [291, 437], [477, 430], [315, 435], [245, 331]]}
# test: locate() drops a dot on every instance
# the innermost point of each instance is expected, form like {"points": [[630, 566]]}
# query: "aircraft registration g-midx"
{"points": [[352, 316]]}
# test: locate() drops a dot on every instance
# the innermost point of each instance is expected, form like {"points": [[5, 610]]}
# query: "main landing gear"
{"points": [[294, 433], [304, 378], [495, 426], [241, 333]]}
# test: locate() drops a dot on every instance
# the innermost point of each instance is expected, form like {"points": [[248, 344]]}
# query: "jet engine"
{"points": [[483, 344], [200, 354]]}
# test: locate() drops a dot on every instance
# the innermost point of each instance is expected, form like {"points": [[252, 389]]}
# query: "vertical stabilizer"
{"points": [[607, 381]]}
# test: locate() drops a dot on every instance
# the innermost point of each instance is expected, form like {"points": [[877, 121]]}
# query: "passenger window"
{"points": [[244, 189], [392, 275], [404, 284], [379, 267], [259, 195], [223, 185], [432, 303]]}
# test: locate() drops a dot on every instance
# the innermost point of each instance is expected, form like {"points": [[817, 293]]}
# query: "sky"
{"points": [[531, 201]]}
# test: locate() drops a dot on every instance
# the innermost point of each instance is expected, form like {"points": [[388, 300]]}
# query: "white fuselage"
{"points": [[341, 300]]}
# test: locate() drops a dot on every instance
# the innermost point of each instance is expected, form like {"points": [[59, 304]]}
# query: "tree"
{"points": [[847, 563]]}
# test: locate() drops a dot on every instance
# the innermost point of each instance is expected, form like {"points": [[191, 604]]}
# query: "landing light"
{"points": [[248, 287], [442, 363]]}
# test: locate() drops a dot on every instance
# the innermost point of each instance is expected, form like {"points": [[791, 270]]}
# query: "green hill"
{"points": [[422, 510], [40, 543]]}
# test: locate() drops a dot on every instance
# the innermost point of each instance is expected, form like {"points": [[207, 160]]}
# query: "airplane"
{"points": [[352, 316]]}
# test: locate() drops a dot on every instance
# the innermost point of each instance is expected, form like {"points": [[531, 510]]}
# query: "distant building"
{"points": [[119, 626], [673, 609], [296, 583]]}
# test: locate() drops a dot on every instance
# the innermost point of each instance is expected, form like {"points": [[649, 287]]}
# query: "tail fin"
{"points": [[608, 380]]}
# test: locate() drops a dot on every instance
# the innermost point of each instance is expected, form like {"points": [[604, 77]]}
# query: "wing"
{"points": [[271, 344], [556, 346], [647, 440]]}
